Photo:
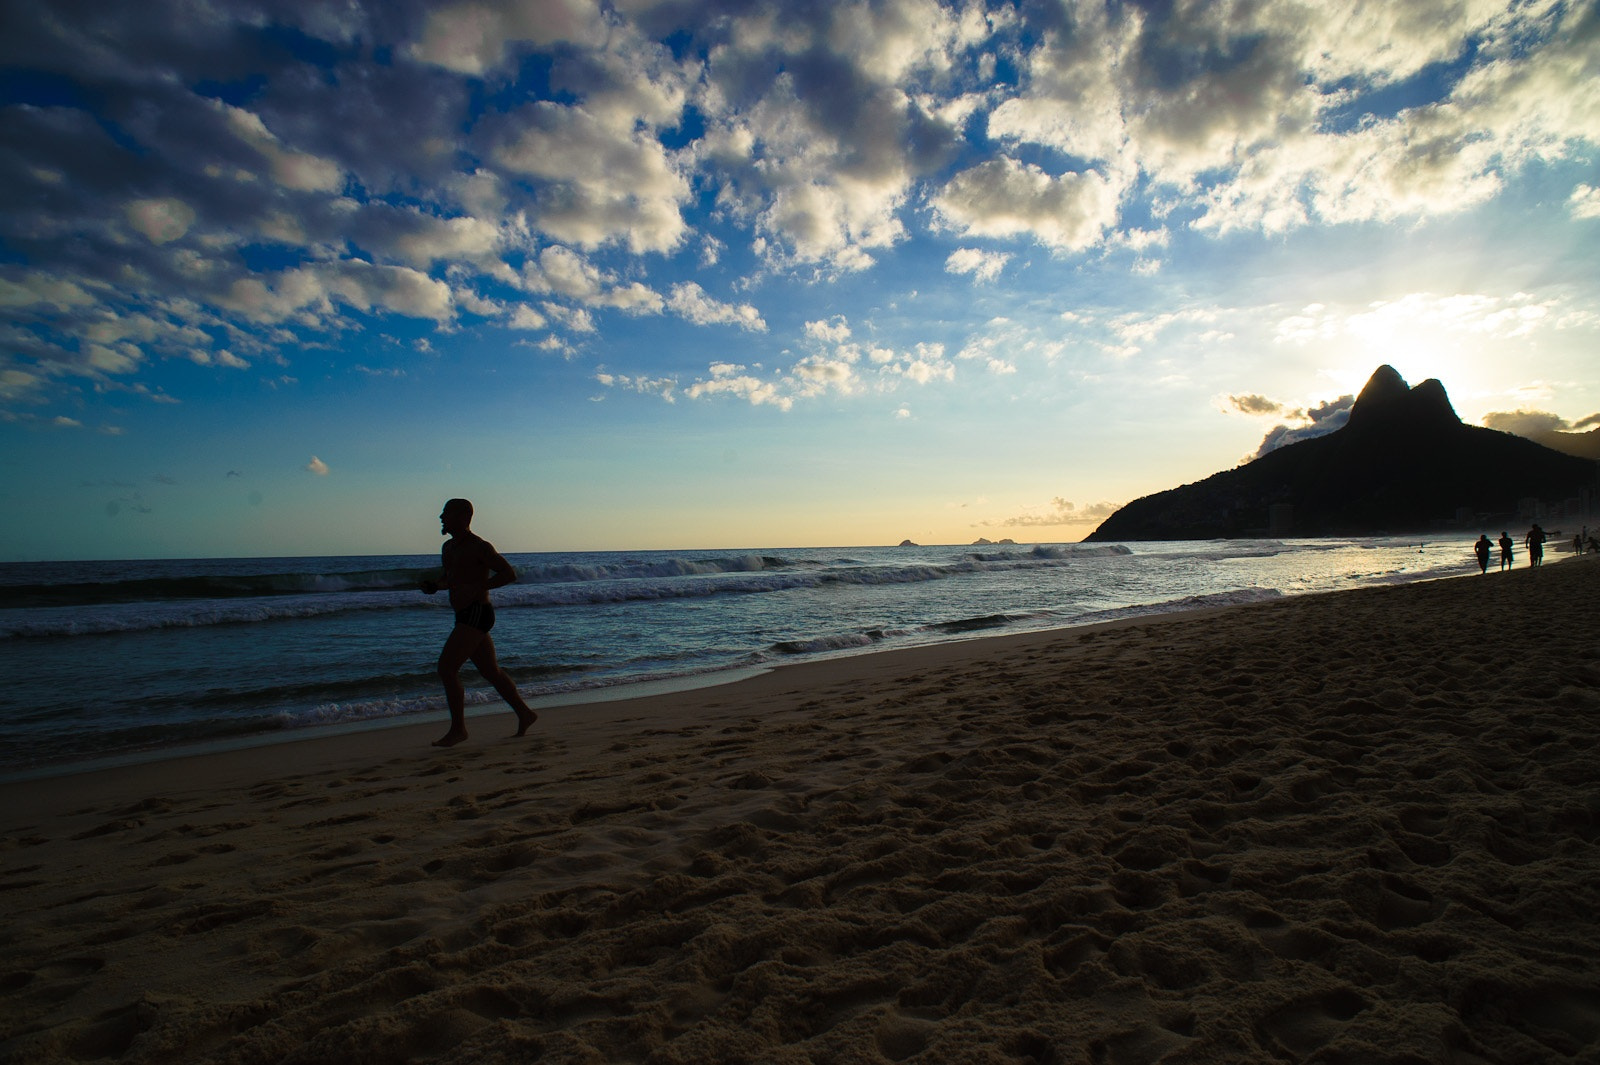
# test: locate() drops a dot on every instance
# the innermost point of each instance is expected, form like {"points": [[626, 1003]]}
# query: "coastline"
{"points": [[1358, 825]]}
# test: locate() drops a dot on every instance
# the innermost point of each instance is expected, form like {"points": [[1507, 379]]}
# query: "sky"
{"points": [[279, 278]]}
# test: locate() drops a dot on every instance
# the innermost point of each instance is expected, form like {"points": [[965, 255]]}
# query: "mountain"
{"points": [[1403, 462], [1583, 445]]}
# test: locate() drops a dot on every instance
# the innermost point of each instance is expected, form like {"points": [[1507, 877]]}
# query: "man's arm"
{"points": [[431, 584], [501, 572]]}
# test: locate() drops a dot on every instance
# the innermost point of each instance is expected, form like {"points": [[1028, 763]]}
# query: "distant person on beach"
{"points": [[1535, 544], [471, 567], [1481, 549], [1505, 550]]}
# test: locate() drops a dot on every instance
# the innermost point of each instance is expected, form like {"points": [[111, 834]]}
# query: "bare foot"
{"points": [[524, 719], [451, 738]]}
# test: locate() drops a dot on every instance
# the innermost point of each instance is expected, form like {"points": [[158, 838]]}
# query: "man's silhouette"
{"points": [[471, 567]]}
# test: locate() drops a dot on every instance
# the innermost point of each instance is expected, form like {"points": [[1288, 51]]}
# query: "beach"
{"points": [[1361, 826]]}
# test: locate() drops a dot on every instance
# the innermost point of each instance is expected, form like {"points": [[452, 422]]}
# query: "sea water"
{"points": [[108, 660]]}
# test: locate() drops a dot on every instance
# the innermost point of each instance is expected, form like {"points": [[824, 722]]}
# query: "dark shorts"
{"points": [[478, 616]]}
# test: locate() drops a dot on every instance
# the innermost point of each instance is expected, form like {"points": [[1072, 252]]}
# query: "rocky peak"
{"points": [[1388, 403]]}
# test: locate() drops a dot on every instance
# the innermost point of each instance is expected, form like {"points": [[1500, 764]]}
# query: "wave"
{"points": [[1234, 597], [1054, 552], [819, 645], [192, 586], [635, 569], [823, 644], [127, 606], [206, 586], [988, 621], [102, 619]]}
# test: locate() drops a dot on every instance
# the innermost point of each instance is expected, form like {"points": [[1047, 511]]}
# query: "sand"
{"points": [[1358, 827]]}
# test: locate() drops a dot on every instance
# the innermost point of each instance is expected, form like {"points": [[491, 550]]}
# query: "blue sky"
{"points": [[279, 278]]}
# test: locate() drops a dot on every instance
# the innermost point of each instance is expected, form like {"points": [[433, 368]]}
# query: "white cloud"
{"points": [[317, 466], [473, 38], [17, 384], [657, 386], [525, 317], [1058, 512], [161, 220], [575, 319], [292, 169], [37, 289], [563, 272], [1390, 323], [813, 140], [689, 301], [756, 391], [308, 294], [1005, 198], [431, 239], [835, 330], [982, 265], [1584, 202], [924, 365], [597, 184]]}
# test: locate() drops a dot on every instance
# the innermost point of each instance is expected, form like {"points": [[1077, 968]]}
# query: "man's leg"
{"points": [[484, 658], [458, 647]]}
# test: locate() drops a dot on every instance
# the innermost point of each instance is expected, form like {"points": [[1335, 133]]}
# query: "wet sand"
{"points": [[1359, 827]]}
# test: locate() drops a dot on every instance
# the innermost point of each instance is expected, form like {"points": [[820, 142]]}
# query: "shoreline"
{"points": [[584, 696], [634, 691], [334, 743], [1357, 825]]}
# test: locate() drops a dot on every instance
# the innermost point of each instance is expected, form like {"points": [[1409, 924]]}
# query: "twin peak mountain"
{"points": [[1403, 462]]}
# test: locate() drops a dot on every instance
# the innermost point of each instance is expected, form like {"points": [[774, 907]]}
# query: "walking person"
{"points": [[1534, 541], [1506, 544], [471, 567], [1481, 549]]}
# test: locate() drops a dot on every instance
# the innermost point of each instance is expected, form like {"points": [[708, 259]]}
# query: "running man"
{"points": [[471, 567]]}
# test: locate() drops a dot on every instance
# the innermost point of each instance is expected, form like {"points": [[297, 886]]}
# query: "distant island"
{"points": [[985, 542], [1404, 462]]}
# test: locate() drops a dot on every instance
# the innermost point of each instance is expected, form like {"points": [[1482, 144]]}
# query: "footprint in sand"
{"points": [[1300, 1028]]}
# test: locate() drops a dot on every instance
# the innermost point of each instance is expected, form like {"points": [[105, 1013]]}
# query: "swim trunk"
{"points": [[478, 616]]}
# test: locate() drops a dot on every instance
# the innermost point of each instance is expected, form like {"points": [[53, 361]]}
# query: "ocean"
{"points": [[120, 661]]}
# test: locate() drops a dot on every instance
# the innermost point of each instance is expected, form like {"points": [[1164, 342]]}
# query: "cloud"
{"points": [[252, 199], [728, 380], [562, 272], [1057, 512], [1581, 438], [982, 265], [474, 38], [317, 466], [1316, 421], [1584, 202], [1005, 198], [1526, 422], [689, 301], [312, 295], [833, 330], [594, 183], [161, 220], [1253, 404]]}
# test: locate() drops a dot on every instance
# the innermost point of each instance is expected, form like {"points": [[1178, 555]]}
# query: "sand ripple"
{"points": [[1351, 828]]}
